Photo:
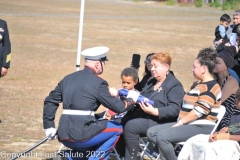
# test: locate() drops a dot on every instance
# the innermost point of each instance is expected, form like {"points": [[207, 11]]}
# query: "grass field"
{"points": [[44, 37]]}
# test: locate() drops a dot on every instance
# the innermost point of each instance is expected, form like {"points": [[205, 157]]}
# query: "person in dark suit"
{"points": [[5, 48], [167, 93], [81, 94]]}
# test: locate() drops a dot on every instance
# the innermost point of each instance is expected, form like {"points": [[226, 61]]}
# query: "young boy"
{"points": [[129, 78], [220, 31]]}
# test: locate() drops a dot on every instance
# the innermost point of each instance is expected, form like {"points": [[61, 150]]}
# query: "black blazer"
{"points": [[168, 99]]}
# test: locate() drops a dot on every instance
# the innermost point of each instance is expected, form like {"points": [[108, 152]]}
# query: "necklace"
{"points": [[158, 87]]}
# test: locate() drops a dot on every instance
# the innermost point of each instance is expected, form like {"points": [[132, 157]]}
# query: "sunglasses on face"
{"points": [[148, 60]]}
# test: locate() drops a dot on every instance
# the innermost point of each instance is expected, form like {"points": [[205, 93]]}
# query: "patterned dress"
{"points": [[230, 104]]}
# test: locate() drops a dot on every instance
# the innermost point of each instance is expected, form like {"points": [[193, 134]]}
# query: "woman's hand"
{"points": [[148, 108]]}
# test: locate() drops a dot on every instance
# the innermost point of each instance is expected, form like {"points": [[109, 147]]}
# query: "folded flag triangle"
{"points": [[124, 93]]}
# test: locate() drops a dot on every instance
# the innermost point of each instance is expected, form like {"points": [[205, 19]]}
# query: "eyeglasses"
{"points": [[154, 66]]}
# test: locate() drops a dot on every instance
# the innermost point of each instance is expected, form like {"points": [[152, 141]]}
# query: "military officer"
{"points": [[5, 48], [81, 93]]}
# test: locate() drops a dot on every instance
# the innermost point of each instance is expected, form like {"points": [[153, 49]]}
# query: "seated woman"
{"points": [[147, 73], [166, 92], [229, 85], [199, 109], [210, 147]]}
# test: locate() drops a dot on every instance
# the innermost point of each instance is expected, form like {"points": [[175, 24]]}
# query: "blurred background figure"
{"points": [[228, 83], [147, 73], [5, 48]]}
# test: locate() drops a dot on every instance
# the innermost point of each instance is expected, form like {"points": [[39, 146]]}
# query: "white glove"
{"points": [[51, 131], [113, 91], [133, 94]]}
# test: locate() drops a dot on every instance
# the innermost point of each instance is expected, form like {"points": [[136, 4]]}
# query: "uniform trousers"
{"points": [[102, 143], [164, 136]]}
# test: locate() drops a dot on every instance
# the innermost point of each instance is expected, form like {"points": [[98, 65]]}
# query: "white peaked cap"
{"points": [[95, 53]]}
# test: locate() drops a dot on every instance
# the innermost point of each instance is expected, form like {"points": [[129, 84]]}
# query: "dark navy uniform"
{"points": [[5, 46], [82, 90], [82, 93]]}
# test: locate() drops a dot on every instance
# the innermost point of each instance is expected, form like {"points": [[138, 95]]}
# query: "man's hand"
{"points": [[108, 116], [4, 71], [113, 91], [51, 133]]}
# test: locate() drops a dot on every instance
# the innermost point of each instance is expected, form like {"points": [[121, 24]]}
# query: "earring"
{"points": [[225, 73]]}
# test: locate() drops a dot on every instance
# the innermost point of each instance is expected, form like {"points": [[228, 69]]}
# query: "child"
{"points": [[220, 31], [129, 78]]}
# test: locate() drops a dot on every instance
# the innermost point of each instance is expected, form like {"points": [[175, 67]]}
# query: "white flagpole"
{"points": [[80, 36]]}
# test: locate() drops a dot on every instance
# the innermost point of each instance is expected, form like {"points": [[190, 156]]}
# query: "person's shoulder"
{"points": [[217, 27], [71, 75], [2, 21], [173, 80], [210, 83], [210, 86], [232, 80]]}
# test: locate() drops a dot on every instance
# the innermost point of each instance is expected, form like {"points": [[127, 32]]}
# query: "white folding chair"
{"points": [[220, 115]]}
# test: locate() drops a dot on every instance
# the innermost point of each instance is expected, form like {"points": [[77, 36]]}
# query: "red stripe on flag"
{"points": [[112, 130]]}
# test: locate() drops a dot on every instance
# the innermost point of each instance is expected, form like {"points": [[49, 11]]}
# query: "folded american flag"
{"points": [[124, 93]]}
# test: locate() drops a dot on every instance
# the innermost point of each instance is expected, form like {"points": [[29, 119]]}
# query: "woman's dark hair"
{"points": [[146, 71], [207, 57]]}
